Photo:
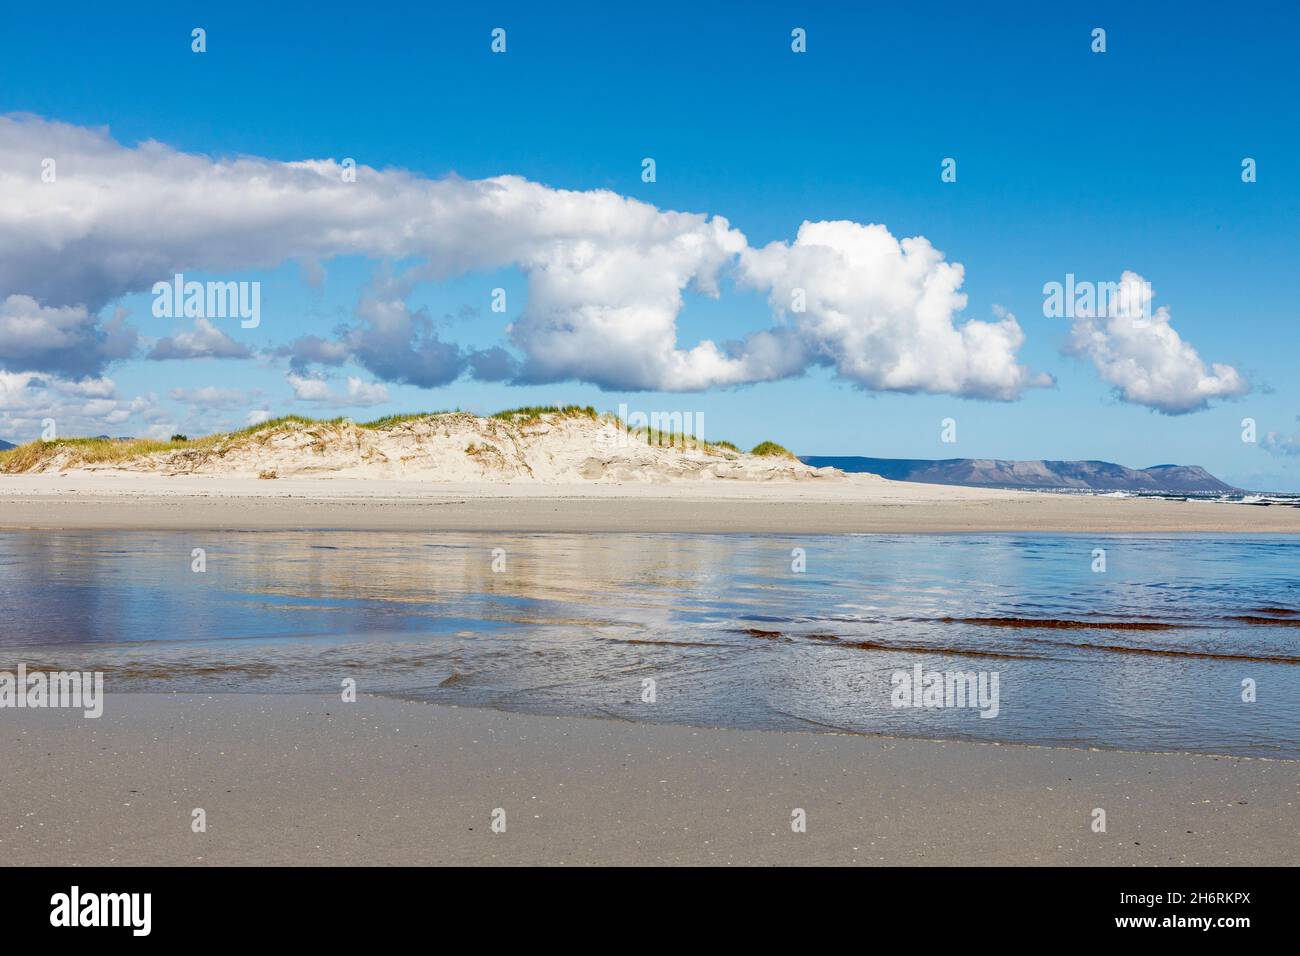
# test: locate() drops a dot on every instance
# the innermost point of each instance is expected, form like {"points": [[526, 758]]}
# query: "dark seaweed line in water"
{"points": [[881, 646], [651, 642], [924, 649], [1004, 655], [1030, 623], [1170, 652], [1061, 624], [167, 671]]}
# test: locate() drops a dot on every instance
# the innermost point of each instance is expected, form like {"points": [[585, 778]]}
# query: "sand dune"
{"points": [[450, 447]]}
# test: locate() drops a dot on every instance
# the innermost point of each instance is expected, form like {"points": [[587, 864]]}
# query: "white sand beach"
{"points": [[852, 504]]}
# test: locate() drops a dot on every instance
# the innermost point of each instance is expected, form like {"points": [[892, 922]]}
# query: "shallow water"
{"points": [[1150, 654]]}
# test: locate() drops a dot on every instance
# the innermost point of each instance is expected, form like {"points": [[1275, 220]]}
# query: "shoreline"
{"points": [[814, 728], [816, 506], [287, 779]]}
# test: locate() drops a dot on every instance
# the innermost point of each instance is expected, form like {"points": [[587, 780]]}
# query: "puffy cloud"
{"points": [[366, 393], [308, 388], [205, 340], [85, 407], [603, 302], [398, 345], [314, 350], [65, 340], [209, 396], [82, 388], [1281, 444], [882, 312], [118, 218], [1138, 352], [606, 274], [493, 365], [210, 408]]}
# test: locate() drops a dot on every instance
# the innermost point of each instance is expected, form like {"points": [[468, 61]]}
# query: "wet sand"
{"points": [[306, 780], [862, 505]]}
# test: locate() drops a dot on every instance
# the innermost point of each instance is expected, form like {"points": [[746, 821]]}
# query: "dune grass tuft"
{"points": [[271, 424], [770, 449], [533, 413], [391, 421]]}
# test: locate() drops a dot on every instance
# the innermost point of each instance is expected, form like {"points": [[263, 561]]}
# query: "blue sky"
{"points": [[1068, 162]]}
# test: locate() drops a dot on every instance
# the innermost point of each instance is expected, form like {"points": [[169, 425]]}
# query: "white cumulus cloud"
{"points": [[205, 340], [606, 275], [883, 312], [1143, 357], [81, 407], [309, 388], [1280, 443], [66, 339], [209, 396]]}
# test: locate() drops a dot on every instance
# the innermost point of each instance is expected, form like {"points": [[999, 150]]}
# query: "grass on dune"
{"points": [[662, 438], [670, 439], [91, 451], [274, 423], [389, 421], [100, 451], [532, 413]]}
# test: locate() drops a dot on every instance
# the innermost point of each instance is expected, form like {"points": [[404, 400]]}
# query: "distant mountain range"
{"points": [[993, 473], [5, 446]]}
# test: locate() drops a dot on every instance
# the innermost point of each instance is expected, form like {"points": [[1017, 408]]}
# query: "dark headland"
{"points": [[1065, 475]]}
